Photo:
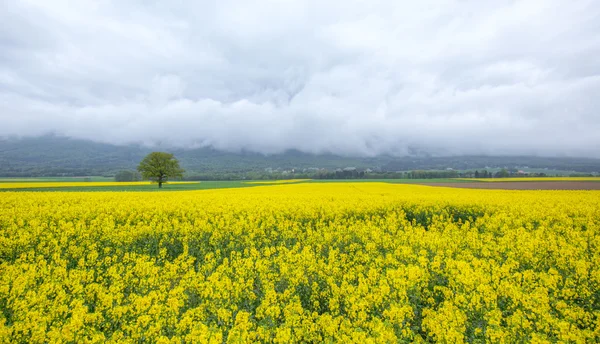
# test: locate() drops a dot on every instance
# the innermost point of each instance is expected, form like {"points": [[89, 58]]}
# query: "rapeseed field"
{"points": [[343, 262]]}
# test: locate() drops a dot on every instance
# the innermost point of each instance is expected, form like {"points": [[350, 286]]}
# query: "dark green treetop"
{"points": [[159, 167]]}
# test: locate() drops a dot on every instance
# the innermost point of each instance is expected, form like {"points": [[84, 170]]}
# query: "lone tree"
{"points": [[159, 167]]}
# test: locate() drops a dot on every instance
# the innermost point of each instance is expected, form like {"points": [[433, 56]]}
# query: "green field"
{"points": [[204, 185], [153, 187], [195, 186]]}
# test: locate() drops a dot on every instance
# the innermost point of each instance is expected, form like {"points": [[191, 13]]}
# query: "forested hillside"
{"points": [[61, 156]]}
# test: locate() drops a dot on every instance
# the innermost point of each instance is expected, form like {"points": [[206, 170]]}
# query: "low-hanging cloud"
{"points": [[347, 77]]}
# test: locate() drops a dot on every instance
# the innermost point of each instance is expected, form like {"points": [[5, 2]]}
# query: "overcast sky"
{"points": [[348, 77]]}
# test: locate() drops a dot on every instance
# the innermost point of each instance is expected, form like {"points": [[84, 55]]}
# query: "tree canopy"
{"points": [[159, 167]]}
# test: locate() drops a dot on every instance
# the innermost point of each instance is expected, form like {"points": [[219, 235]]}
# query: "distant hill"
{"points": [[61, 156], [52, 155]]}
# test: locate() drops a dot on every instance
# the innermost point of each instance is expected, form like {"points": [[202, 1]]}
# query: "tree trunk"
{"points": [[160, 185]]}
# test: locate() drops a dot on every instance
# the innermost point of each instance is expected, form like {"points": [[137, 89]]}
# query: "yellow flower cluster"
{"points": [[30, 185], [340, 262]]}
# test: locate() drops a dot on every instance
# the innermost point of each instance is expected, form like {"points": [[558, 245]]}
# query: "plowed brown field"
{"points": [[558, 185]]}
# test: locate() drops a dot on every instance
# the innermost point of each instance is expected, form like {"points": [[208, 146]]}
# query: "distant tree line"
{"points": [[355, 174], [351, 173], [128, 176]]}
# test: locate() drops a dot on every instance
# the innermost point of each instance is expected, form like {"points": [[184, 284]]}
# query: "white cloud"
{"points": [[348, 77]]}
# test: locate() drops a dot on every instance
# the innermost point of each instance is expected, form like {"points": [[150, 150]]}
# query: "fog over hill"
{"points": [[62, 156], [350, 78]]}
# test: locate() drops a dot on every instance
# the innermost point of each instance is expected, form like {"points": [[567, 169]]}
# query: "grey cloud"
{"points": [[348, 77]]}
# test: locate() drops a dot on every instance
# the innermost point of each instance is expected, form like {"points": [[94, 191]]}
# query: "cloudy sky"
{"points": [[349, 77]]}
